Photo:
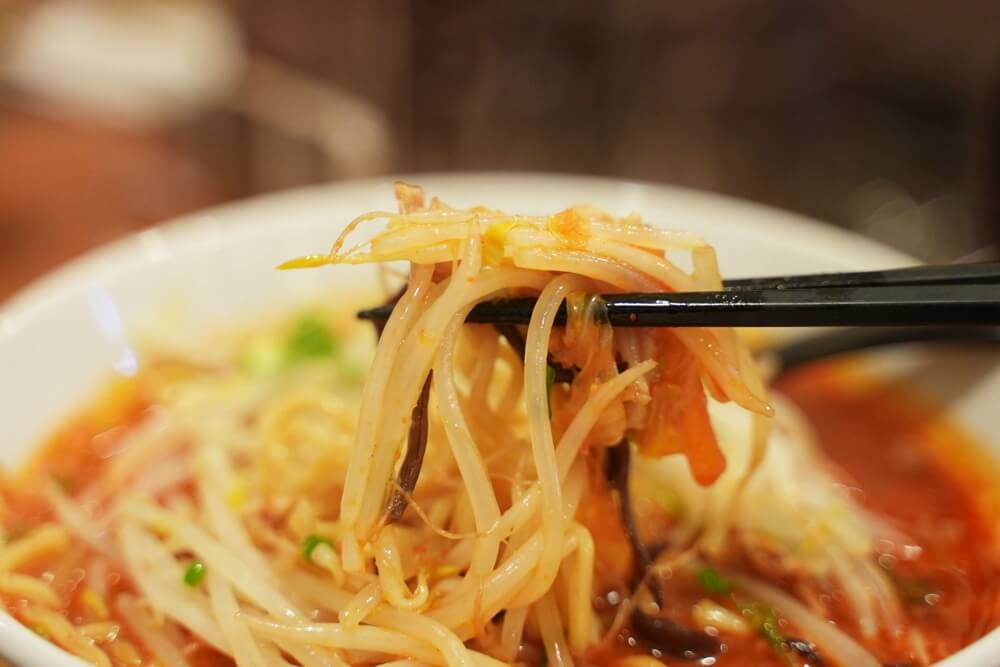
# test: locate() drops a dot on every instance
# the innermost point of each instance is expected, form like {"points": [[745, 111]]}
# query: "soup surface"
{"points": [[899, 457], [909, 463]]}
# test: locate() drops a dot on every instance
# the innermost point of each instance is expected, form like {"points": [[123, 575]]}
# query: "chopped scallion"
{"points": [[713, 581], [194, 573], [769, 629], [310, 543], [262, 357], [765, 620], [311, 337], [550, 382]]}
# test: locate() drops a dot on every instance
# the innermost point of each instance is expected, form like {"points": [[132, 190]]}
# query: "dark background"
{"points": [[881, 116]]}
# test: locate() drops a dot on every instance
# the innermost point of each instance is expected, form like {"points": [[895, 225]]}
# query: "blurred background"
{"points": [[877, 115]]}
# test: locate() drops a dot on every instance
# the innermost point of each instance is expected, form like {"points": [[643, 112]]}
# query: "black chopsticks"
{"points": [[799, 351], [964, 294], [932, 274]]}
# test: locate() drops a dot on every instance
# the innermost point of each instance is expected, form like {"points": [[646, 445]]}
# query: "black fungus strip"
{"points": [[379, 323], [807, 650], [513, 336], [666, 636], [516, 341], [617, 468], [656, 632], [416, 445]]}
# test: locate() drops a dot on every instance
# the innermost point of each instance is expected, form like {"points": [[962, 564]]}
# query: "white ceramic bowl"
{"points": [[65, 335]]}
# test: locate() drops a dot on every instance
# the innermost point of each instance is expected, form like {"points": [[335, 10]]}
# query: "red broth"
{"points": [[907, 462], [913, 465]]}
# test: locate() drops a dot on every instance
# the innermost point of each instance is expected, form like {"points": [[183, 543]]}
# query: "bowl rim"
{"points": [[23, 646]]}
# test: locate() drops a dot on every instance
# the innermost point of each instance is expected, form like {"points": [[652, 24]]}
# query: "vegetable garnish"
{"points": [[769, 628], [262, 357], [311, 337], [194, 574], [310, 543], [763, 617], [550, 382], [713, 581]]}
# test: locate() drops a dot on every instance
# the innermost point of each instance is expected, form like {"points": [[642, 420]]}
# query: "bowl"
{"points": [[64, 336]]}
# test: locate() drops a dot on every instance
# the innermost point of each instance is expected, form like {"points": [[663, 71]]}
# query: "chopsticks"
{"points": [[965, 294], [932, 274], [799, 351]]}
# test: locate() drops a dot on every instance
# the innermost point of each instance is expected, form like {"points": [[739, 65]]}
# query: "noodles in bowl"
{"points": [[575, 495]]}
